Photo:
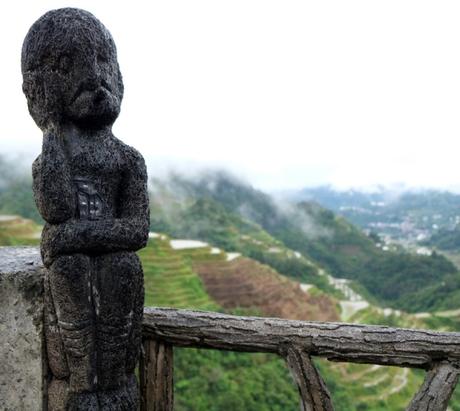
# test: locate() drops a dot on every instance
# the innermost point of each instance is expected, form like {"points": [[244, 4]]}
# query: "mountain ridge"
{"points": [[322, 238]]}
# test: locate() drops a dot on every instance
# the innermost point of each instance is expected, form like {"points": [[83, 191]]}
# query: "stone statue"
{"points": [[91, 190]]}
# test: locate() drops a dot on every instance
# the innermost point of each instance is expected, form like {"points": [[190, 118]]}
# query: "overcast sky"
{"points": [[285, 93]]}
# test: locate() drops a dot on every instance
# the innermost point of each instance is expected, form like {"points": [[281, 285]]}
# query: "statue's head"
{"points": [[70, 71]]}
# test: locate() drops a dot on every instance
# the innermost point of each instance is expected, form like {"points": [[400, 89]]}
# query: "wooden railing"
{"points": [[297, 342]]}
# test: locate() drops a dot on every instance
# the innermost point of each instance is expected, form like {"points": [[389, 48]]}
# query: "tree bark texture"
{"points": [[156, 375], [314, 395], [335, 341], [437, 388]]}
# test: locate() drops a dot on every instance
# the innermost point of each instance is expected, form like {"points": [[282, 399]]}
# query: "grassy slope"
{"points": [[245, 283], [180, 215], [211, 380], [224, 376], [320, 236], [19, 231], [170, 279]]}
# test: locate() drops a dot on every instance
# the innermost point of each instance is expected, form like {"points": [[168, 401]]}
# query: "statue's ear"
{"points": [[28, 85], [121, 87]]}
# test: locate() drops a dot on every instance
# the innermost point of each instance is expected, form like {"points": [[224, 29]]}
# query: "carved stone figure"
{"points": [[91, 190]]}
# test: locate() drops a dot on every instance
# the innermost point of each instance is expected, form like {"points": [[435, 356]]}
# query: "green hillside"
{"points": [[223, 210], [170, 280], [181, 213], [15, 230], [446, 239], [213, 380]]}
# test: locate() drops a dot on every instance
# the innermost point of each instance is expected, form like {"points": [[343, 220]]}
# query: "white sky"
{"points": [[285, 93]]}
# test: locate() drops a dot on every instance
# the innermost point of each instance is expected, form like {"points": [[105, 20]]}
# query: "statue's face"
{"points": [[89, 78], [70, 69]]}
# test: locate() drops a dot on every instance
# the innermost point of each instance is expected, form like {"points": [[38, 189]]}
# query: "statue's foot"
{"points": [[85, 401]]}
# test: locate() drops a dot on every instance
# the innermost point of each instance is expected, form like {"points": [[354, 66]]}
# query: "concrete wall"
{"points": [[21, 337]]}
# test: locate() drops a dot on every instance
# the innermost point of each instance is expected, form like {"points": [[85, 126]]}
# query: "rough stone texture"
{"points": [[91, 189], [21, 331]]}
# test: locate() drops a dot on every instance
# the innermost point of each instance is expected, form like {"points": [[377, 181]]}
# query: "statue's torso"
{"points": [[97, 169]]}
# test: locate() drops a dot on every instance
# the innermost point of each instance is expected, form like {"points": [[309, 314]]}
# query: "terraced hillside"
{"points": [[243, 282], [180, 214], [236, 282], [376, 387], [169, 278], [219, 208], [15, 230]]}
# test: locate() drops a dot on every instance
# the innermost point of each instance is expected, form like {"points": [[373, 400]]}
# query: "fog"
{"points": [[284, 94]]}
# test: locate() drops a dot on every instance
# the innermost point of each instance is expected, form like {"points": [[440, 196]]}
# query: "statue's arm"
{"points": [[52, 184], [128, 232]]}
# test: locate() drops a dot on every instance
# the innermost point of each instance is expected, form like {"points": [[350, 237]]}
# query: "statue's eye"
{"points": [[64, 64], [102, 58]]}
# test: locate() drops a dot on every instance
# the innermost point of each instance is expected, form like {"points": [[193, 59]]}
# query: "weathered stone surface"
{"points": [[21, 331], [91, 190]]}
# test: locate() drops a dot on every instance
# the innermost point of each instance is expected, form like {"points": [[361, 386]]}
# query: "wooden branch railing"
{"points": [[297, 342]]}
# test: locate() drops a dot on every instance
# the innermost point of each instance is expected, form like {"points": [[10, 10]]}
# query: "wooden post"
{"points": [[437, 388], [156, 375], [314, 395]]}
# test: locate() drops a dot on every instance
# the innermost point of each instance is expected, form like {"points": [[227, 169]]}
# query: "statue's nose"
{"points": [[93, 79], [94, 73]]}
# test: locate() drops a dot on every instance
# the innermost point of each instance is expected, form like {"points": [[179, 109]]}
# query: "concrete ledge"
{"points": [[22, 375]]}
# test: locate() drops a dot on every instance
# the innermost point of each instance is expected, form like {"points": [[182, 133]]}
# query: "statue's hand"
{"points": [[52, 184], [64, 238]]}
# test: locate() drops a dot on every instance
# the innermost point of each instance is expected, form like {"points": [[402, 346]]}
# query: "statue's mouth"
{"points": [[100, 95], [98, 89]]}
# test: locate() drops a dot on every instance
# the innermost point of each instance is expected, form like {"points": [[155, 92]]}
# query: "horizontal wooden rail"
{"points": [[335, 341], [297, 342]]}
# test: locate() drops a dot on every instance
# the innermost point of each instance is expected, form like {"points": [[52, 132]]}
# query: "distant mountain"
{"points": [[182, 208], [412, 215], [334, 199], [445, 239], [225, 211]]}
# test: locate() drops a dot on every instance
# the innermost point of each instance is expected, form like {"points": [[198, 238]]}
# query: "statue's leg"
{"points": [[135, 337], [71, 280], [119, 310], [58, 387]]}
